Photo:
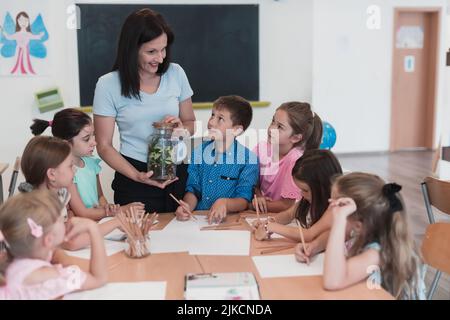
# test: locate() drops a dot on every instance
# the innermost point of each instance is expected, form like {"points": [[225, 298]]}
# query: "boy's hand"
{"points": [[183, 212], [76, 226], [218, 211]]}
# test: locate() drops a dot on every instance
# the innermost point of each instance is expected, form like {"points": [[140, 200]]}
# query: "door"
{"points": [[414, 78]]}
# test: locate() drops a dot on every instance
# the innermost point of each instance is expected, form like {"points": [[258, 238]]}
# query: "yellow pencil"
{"points": [[301, 236]]}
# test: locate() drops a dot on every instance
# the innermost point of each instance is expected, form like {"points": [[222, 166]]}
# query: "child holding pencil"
{"points": [[294, 129], [312, 174], [222, 172], [380, 247]]}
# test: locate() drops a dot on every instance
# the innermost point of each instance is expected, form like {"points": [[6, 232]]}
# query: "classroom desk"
{"points": [[172, 267]]}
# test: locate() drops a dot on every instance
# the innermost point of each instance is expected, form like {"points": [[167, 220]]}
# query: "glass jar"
{"points": [[139, 248], [161, 148]]}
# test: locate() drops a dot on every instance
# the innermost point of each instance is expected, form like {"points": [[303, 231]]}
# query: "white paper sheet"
{"points": [[180, 226], [275, 266], [187, 226], [111, 247], [275, 235], [162, 241], [223, 242], [116, 235], [148, 290], [220, 242]]}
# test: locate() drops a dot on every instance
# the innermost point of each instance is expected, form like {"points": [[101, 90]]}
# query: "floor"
{"points": [[407, 168]]}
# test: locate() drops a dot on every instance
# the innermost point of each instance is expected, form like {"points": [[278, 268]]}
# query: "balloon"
{"points": [[328, 136]]}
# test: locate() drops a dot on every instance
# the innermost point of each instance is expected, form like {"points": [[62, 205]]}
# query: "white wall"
{"points": [[310, 50], [352, 70], [285, 68]]}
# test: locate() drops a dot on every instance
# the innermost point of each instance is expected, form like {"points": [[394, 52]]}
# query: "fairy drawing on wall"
{"points": [[22, 40]]}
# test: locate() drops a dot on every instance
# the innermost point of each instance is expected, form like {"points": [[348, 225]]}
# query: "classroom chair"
{"points": [[436, 250], [436, 193], [3, 167], [15, 173]]}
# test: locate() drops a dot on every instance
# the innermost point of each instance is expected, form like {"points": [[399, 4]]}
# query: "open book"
{"points": [[221, 286]]}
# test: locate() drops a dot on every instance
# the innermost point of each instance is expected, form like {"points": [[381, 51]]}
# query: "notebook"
{"points": [[221, 286]]}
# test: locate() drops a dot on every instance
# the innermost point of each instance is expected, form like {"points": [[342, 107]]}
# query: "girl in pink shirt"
{"points": [[294, 129], [32, 227]]}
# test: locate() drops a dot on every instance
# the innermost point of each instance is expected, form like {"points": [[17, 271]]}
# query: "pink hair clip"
{"points": [[50, 123], [36, 230]]}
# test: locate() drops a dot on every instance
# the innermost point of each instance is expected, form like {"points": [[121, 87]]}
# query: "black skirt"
{"points": [[154, 198]]}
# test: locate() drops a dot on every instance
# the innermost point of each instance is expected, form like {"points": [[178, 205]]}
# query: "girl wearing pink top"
{"points": [[32, 227], [294, 129]]}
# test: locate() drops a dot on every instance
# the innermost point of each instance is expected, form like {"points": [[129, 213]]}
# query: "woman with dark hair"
{"points": [[144, 87]]}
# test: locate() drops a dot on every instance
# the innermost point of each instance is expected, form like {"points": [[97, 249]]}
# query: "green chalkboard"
{"points": [[217, 46]]}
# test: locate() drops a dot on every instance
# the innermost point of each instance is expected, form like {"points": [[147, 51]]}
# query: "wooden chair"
{"points": [[436, 250], [436, 193]]}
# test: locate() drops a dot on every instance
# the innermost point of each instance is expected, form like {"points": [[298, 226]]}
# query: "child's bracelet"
{"points": [[266, 227]]}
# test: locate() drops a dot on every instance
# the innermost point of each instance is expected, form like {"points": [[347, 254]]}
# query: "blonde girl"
{"points": [[32, 228], [380, 247]]}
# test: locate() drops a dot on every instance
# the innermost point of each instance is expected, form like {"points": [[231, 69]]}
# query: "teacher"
{"points": [[143, 87]]}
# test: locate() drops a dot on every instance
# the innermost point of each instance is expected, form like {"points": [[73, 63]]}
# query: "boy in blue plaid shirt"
{"points": [[222, 172]]}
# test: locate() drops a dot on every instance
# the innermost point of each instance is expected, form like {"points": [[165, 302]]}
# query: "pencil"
{"points": [[223, 226], [276, 249], [301, 236], [257, 207], [178, 201]]}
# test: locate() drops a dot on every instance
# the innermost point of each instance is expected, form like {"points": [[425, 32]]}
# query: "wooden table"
{"points": [[172, 268]]}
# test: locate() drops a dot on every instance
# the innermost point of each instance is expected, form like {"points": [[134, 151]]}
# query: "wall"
{"points": [[285, 68], [310, 50], [352, 71]]}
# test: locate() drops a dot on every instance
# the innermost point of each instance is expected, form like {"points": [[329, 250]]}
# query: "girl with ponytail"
{"points": [[87, 199], [294, 128], [380, 248]]}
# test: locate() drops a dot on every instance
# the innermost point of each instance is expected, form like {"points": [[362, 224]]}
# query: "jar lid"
{"points": [[164, 125]]}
